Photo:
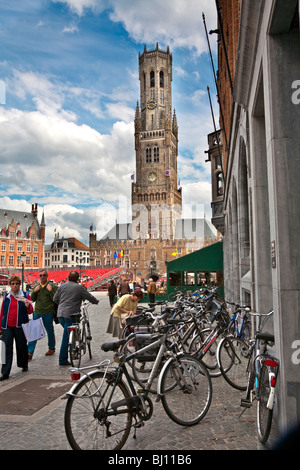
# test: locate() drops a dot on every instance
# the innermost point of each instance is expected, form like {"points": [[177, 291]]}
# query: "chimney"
{"points": [[34, 209]]}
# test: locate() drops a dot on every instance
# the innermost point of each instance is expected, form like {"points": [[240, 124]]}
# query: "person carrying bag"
{"points": [[16, 306]]}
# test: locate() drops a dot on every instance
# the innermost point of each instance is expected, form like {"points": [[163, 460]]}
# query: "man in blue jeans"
{"points": [[69, 297], [42, 295]]}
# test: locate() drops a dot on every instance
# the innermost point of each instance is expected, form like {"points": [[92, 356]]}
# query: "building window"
{"points": [[20, 246], [11, 260], [32, 236], [28, 247], [12, 234], [11, 247], [3, 246], [156, 154], [152, 79], [148, 155], [161, 79], [35, 261], [36, 248]]}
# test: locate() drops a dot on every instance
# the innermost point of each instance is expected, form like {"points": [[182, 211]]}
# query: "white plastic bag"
{"points": [[34, 329]]}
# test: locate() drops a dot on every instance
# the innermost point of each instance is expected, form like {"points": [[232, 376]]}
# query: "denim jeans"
{"points": [[63, 353], [49, 327]]}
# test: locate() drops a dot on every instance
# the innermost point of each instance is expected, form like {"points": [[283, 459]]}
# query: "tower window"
{"points": [[148, 155], [152, 79], [161, 79], [156, 154]]}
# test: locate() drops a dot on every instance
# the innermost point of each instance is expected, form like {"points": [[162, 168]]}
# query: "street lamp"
{"points": [[23, 258], [134, 265]]}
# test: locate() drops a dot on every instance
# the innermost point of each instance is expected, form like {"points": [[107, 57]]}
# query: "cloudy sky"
{"points": [[68, 92]]}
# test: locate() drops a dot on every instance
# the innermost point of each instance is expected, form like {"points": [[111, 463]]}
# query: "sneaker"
{"points": [[29, 356], [50, 352]]}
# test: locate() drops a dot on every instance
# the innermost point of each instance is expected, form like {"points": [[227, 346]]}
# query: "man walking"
{"points": [[151, 291], [124, 288], [69, 297], [43, 295]]}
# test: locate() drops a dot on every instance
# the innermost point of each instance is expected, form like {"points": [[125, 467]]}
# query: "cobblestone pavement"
{"points": [[222, 429]]}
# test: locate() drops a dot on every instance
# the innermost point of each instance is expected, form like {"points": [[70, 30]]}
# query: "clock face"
{"points": [[151, 104], [152, 177]]}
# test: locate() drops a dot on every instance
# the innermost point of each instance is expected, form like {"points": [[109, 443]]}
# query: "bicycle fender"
{"points": [[159, 392], [73, 388]]}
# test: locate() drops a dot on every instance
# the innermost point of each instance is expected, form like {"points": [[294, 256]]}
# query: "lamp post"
{"points": [[134, 265], [23, 258]]}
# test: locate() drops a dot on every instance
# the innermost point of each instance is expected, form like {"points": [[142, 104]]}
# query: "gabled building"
{"points": [[21, 233], [66, 253]]}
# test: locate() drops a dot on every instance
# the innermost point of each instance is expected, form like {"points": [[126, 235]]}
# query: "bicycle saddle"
{"points": [[265, 337], [113, 346]]}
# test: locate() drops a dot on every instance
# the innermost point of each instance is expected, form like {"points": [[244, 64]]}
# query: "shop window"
{"points": [[188, 278]]}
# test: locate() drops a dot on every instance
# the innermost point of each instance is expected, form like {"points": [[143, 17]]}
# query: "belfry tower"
{"points": [[156, 198]]}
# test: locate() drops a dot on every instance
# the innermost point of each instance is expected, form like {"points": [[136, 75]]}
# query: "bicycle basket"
{"points": [[143, 340]]}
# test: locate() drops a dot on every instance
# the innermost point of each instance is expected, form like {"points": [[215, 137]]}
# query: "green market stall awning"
{"points": [[202, 267]]}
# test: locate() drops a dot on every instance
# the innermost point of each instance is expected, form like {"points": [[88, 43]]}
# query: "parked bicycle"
{"points": [[263, 371], [240, 325], [80, 336], [103, 407]]}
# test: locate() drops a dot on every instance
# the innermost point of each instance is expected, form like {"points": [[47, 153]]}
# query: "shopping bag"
{"points": [[2, 352], [34, 330]]}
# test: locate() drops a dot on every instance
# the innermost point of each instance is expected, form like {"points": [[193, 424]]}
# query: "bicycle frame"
{"points": [[139, 394]]}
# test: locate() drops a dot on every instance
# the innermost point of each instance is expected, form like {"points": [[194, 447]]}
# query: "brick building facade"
{"points": [[20, 233]]}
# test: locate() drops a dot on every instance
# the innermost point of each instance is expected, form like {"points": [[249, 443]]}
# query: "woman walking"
{"points": [[16, 306]]}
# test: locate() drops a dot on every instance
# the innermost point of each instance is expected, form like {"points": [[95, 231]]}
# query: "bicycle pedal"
{"points": [[245, 403]]}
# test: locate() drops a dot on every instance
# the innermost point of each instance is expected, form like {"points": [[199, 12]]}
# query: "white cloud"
{"points": [[177, 23]]}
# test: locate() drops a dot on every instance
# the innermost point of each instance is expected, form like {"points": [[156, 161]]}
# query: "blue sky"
{"points": [[70, 72]]}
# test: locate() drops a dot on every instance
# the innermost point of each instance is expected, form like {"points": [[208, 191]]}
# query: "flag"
{"points": [[132, 177], [167, 173], [115, 254], [91, 228], [175, 253], [105, 254], [120, 254]]}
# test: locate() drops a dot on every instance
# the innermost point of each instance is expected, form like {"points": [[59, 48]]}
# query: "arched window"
{"points": [[148, 155], [152, 79], [161, 79], [156, 154]]}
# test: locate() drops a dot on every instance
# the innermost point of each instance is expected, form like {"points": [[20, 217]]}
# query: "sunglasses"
{"points": [[43, 275], [15, 283]]}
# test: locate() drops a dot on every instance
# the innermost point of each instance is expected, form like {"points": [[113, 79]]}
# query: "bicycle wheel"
{"points": [[89, 423], [233, 357], [264, 414], [75, 351], [186, 390]]}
